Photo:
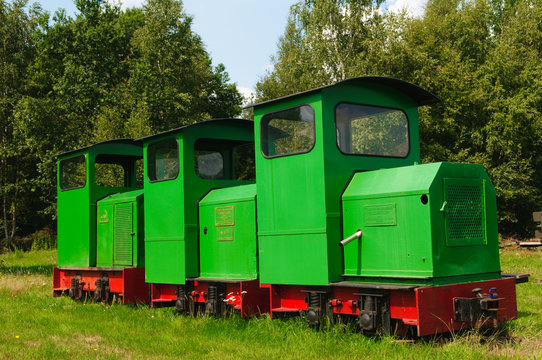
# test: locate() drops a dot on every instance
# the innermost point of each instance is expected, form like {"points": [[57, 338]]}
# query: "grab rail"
{"points": [[342, 243]]}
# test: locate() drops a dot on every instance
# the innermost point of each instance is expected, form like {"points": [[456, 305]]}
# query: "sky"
{"points": [[241, 34]]}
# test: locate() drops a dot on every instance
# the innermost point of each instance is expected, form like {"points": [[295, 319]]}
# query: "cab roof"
{"points": [[239, 122], [100, 144], [139, 141], [419, 95]]}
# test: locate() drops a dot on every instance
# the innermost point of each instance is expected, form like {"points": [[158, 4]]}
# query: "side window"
{"points": [[109, 174], [287, 132], [117, 170], [73, 172], [371, 130], [139, 173], [163, 160], [243, 161]]}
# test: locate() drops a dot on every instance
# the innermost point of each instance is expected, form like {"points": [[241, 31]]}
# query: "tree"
{"points": [[324, 41], [100, 75], [513, 134], [173, 77], [482, 57], [17, 48]]}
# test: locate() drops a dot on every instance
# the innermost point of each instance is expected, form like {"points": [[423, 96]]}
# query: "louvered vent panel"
{"points": [[465, 213], [123, 234]]}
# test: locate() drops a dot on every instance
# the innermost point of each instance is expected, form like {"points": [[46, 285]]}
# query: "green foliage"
{"points": [[17, 50], [100, 75], [44, 239], [324, 41], [105, 73], [482, 57]]}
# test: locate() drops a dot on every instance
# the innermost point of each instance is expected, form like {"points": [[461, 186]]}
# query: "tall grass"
{"points": [[33, 325]]}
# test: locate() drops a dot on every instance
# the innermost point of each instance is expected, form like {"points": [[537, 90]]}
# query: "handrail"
{"points": [[342, 243], [355, 235]]}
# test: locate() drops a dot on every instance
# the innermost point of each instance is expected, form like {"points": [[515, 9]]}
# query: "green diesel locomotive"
{"points": [[342, 220]]}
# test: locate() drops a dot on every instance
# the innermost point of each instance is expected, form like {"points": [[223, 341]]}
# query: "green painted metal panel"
{"points": [[164, 225], [73, 224], [123, 237], [108, 224], [421, 224], [291, 207], [105, 234], [480, 257], [388, 246], [306, 266], [164, 262], [228, 245]]}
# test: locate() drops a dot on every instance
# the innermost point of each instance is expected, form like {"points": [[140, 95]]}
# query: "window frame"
{"points": [[292, 153], [60, 173], [372, 106], [178, 160]]}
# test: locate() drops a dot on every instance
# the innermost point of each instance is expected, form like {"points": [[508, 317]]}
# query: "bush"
{"points": [[44, 239]]}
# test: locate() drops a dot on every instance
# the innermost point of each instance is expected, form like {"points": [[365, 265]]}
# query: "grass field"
{"points": [[34, 325]]}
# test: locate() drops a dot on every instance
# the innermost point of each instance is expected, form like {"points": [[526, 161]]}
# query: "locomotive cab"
{"points": [[86, 176], [308, 146], [100, 235], [181, 166]]}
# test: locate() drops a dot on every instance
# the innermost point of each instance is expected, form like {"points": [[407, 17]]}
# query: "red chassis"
{"points": [[103, 282], [211, 295], [431, 309]]}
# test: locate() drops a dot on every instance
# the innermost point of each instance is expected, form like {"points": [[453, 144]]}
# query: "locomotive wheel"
{"points": [[191, 307], [76, 287], [319, 313], [400, 329], [182, 303]]}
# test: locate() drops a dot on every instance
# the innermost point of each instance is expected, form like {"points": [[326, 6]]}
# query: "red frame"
{"points": [[429, 308], [246, 296], [128, 283]]}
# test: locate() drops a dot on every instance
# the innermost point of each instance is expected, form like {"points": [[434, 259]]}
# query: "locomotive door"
{"points": [[123, 235]]}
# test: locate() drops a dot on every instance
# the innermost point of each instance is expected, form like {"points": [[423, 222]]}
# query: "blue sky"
{"points": [[241, 34]]}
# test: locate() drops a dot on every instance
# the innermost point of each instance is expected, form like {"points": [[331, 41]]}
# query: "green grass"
{"points": [[33, 324], [28, 263]]}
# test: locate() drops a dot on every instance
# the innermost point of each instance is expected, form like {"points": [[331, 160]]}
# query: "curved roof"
{"points": [[421, 96], [116, 141], [242, 122], [137, 142]]}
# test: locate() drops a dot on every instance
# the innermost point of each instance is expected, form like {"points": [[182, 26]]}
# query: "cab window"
{"points": [[287, 132], [371, 130], [209, 164], [73, 172], [116, 170], [163, 160], [224, 159]]}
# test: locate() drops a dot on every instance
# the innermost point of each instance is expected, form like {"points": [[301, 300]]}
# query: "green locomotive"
{"points": [[341, 221]]}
